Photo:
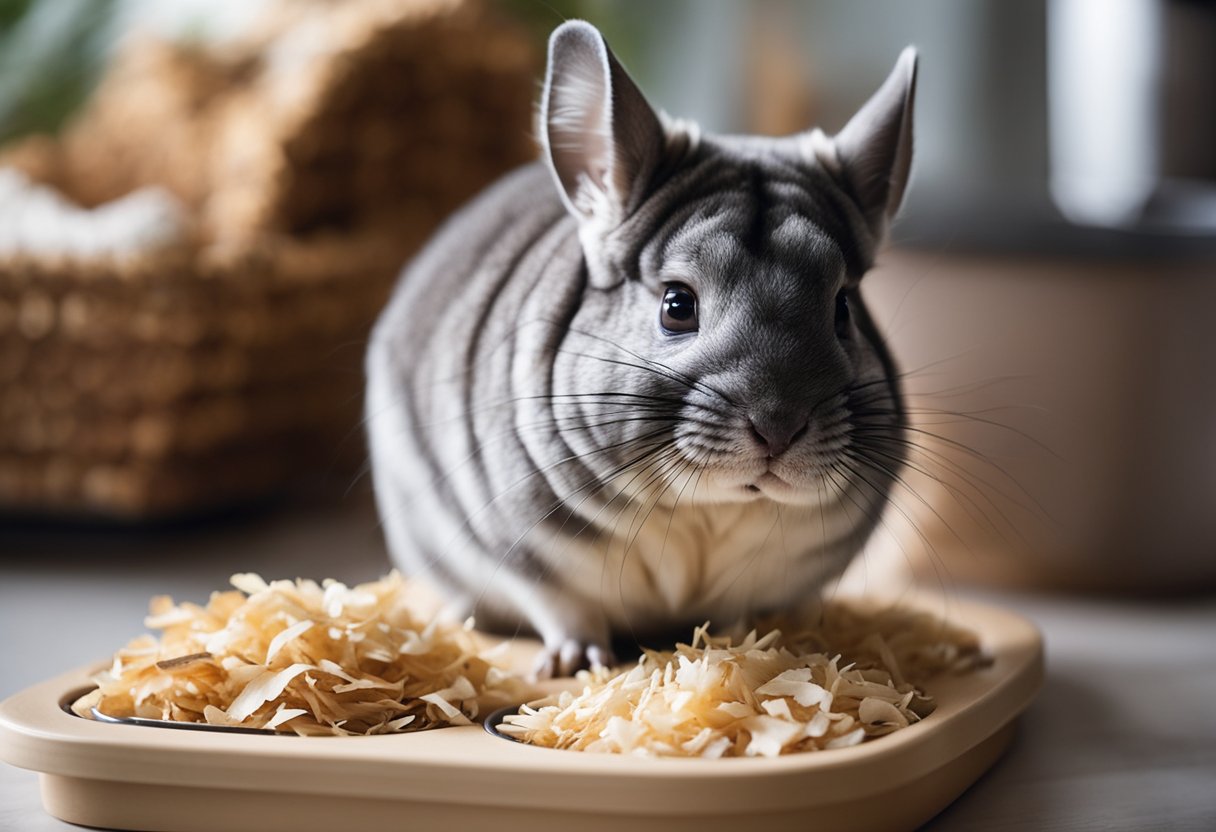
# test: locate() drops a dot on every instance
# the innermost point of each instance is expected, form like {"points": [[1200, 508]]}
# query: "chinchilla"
{"points": [[633, 385]]}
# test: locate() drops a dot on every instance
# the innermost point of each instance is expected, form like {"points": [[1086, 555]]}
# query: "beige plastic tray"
{"points": [[147, 778]]}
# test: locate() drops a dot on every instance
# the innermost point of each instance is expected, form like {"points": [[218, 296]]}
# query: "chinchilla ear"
{"points": [[873, 153], [602, 141]]}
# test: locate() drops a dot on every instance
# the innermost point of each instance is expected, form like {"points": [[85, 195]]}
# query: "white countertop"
{"points": [[1122, 737]]}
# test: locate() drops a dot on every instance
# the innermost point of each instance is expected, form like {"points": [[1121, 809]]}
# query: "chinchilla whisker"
{"points": [[705, 423], [880, 403], [976, 484], [671, 452], [870, 452], [580, 420], [930, 549], [706, 442], [758, 552], [575, 400], [670, 376], [876, 439], [660, 476], [653, 474], [668, 450], [863, 407], [449, 472], [935, 365], [828, 478], [685, 472], [556, 397], [934, 557], [664, 371], [895, 378], [646, 414], [698, 443], [862, 426], [572, 420], [597, 485], [688, 465], [857, 455], [963, 415], [660, 479], [477, 363], [476, 452], [468, 518], [658, 460], [686, 379], [962, 389], [1026, 501], [921, 417], [785, 551], [828, 487], [972, 387], [651, 448], [365, 468]]}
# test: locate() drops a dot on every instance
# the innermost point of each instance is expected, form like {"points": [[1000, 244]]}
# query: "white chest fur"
{"points": [[709, 561]]}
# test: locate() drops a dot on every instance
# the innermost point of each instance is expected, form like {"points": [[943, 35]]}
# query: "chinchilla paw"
{"points": [[567, 657]]}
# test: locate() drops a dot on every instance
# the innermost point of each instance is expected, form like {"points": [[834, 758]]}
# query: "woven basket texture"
{"points": [[313, 156]]}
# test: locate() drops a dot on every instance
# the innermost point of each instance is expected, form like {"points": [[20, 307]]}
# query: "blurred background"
{"points": [[204, 203]]}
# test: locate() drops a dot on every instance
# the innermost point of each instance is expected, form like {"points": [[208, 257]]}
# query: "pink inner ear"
{"points": [[601, 132], [600, 176], [577, 119]]}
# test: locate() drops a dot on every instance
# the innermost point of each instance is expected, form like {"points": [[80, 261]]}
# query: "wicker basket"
{"points": [[313, 158]]}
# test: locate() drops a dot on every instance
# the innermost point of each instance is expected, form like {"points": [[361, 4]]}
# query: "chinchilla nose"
{"points": [[776, 431]]}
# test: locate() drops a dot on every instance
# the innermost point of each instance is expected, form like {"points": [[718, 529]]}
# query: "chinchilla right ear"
{"points": [[602, 141]]}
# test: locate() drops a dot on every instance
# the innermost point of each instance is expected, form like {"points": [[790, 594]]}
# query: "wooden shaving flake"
{"points": [[762, 697], [303, 657]]}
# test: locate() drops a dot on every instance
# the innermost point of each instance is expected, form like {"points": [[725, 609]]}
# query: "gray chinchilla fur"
{"points": [[633, 385]]}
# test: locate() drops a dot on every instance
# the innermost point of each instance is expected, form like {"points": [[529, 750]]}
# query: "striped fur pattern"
{"points": [[553, 459]]}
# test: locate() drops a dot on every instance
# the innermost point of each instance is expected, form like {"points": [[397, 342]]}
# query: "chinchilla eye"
{"points": [[842, 314], [679, 310]]}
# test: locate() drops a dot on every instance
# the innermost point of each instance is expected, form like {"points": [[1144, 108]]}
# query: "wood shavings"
{"points": [[304, 657], [763, 696]]}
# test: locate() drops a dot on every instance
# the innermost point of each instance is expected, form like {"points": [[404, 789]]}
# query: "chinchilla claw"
{"points": [[570, 656]]}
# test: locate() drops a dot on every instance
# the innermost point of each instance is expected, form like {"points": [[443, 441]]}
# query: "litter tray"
{"points": [[136, 777]]}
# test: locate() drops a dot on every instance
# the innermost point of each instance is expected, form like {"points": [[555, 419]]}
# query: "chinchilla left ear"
{"points": [[872, 155], [602, 141]]}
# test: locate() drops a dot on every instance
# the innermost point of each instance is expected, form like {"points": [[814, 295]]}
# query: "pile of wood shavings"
{"points": [[763, 697], [304, 657]]}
